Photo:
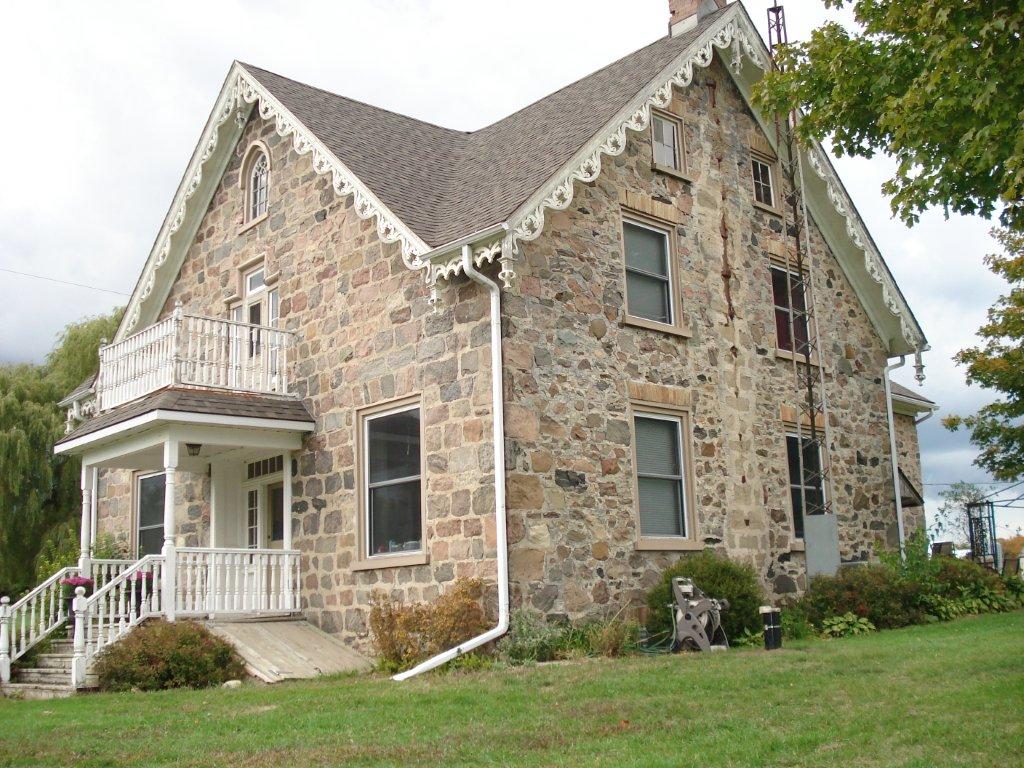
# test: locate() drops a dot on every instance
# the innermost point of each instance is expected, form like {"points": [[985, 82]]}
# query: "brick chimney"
{"points": [[683, 15]]}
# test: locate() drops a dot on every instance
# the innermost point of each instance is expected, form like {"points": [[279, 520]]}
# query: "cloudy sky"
{"points": [[107, 99]]}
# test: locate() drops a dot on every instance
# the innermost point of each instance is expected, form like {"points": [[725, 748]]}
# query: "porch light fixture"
{"points": [[193, 448]]}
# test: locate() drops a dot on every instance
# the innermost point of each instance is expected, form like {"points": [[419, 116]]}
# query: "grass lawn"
{"points": [[941, 695]]}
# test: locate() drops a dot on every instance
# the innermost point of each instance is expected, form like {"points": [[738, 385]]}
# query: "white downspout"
{"points": [[893, 451], [498, 430]]}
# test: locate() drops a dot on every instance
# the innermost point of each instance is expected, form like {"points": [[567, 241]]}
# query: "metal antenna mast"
{"points": [[811, 412]]}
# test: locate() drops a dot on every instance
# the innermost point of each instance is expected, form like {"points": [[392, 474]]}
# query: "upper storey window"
{"points": [[648, 273], [665, 134], [258, 183], [764, 191], [255, 179]]}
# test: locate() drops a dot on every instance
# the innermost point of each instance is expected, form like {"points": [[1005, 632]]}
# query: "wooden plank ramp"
{"points": [[287, 649]]}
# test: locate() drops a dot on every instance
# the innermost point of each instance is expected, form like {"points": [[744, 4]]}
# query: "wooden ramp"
{"points": [[286, 649]]}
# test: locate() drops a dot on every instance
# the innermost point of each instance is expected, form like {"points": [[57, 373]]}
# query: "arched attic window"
{"points": [[256, 181]]}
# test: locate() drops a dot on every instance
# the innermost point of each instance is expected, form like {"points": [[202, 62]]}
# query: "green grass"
{"points": [[940, 695]]}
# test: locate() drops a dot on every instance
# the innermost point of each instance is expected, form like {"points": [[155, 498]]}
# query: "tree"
{"points": [[38, 490], [997, 429], [950, 522], [936, 84]]}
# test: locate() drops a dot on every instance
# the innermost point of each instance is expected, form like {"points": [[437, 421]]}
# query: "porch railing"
{"points": [[195, 351], [225, 581], [31, 618]]}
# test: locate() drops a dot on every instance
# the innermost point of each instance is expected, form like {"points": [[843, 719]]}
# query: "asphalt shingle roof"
{"points": [[899, 389], [445, 184], [204, 401]]}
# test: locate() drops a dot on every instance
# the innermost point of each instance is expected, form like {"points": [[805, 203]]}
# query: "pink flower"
{"points": [[142, 576], [76, 581]]}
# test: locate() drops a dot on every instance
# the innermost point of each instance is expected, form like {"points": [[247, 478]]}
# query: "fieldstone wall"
{"points": [[366, 335], [115, 510], [570, 360], [910, 462]]}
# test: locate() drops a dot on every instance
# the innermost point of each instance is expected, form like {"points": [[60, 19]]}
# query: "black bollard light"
{"points": [[772, 618]]}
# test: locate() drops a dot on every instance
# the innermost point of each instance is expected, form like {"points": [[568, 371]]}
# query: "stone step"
{"points": [[53, 661], [36, 691], [42, 676]]}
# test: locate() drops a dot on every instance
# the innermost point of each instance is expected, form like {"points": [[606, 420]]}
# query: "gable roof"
{"points": [[445, 183], [431, 188]]}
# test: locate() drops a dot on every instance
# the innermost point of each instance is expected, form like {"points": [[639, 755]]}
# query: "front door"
{"points": [[274, 511]]}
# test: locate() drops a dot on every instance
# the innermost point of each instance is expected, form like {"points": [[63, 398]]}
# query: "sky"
{"points": [[107, 100]]}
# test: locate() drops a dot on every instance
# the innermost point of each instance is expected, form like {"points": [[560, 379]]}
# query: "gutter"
{"points": [[498, 434], [901, 533], [453, 245]]}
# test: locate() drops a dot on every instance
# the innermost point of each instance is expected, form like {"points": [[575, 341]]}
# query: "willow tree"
{"points": [[38, 490]]}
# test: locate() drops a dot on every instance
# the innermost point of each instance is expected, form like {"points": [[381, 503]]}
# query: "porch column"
{"points": [[288, 567], [85, 534], [286, 458], [169, 597]]}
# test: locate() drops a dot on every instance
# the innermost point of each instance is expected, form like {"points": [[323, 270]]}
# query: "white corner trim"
{"points": [[240, 90], [734, 30]]}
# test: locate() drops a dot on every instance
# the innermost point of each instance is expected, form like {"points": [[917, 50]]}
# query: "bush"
{"points": [[159, 655], [955, 578], [847, 625], [405, 635], [870, 591], [530, 639], [717, 577]]}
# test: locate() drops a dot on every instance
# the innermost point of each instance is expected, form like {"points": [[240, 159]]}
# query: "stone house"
{"points": [[557, 353]]}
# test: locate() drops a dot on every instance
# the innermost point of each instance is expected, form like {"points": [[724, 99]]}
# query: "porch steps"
{"points": [[49, 677], [287, 648]]}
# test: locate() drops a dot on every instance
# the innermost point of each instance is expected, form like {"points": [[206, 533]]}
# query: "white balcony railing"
{"points": [[196, 351]]}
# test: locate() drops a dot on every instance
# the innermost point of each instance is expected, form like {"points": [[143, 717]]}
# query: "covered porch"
{"points": [[242, 445]]}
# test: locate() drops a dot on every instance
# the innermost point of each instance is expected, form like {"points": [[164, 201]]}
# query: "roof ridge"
{"points": [[252, 68]]}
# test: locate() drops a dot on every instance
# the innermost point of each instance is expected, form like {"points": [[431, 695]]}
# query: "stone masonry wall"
{"points": [[570, 360], [366, 335], [910, 462]]}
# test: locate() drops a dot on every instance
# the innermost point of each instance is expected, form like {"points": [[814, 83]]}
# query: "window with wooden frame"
{"points": [[762, 171], [652, 291], [667, 145], [807, 490], [149, 513], [390, 459], [788, 293], [264, 502], [663, 478], [255, 182]]}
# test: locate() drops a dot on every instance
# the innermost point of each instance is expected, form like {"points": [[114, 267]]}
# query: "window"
{"points": [[661, 487], [275, 500], [149, 493], [392, 477], [259, 182], [762, 172], [648, 273], [788, 292], [806, 493], [665, 139], [260, 306], [252, 518], [263, 467]]}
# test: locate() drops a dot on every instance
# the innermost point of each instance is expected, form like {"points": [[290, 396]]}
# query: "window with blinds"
{"points": [[660, 476], [648, 273]]}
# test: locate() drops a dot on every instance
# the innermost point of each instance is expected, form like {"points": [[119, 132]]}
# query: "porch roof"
{"points": [[198, 401]]}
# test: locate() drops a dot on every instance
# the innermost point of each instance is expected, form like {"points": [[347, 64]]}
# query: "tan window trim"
{"points": [[691, 541], [364, 560], [246, 226], [679, 325], [252, 152], [800, 357]]}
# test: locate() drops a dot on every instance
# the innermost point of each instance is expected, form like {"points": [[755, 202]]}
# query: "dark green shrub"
{"points": [[955, 578], [873, 592], [795, 624], [160, 654], [717, 577]]}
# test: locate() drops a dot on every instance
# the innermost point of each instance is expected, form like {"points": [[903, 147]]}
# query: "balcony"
{"points": [[192, 350]]}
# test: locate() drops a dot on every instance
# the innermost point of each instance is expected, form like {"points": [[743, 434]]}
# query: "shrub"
{"points": [[795, 624], [717, 577], [159, 655], [404, 635], [871, 591], [847, 625], [530, 639], [955, 578]]}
